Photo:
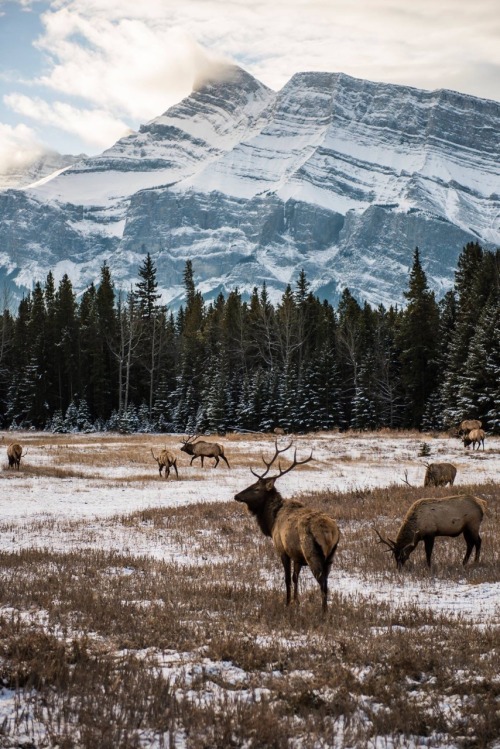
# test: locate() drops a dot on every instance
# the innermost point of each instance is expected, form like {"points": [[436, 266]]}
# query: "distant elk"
{"points": [[440, 474], [166, 460], [468, 425], [428, 518], [14, 454], [475, 437], [202, 449], [300, 534], [278, 431]]}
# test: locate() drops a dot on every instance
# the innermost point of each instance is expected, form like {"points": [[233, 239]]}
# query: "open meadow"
{"points": [[142, 612]]}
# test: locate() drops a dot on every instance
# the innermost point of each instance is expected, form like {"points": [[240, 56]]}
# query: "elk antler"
{"points": [[278, 451], [189, 438], [154, 456], [387, 541], [405, 480]]}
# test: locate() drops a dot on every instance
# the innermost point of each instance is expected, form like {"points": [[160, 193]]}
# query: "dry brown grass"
{"points": [[88, 636], [84, 635]]}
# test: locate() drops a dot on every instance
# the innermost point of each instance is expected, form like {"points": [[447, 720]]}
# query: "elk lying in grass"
{"points": [[14, 454], [468, 425], [300, 534], [166, 460], [428, 518], [202, 449], [475, 437], [440, 474]]}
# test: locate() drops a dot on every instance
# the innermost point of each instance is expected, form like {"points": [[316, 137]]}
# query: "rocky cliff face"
{"points": [[339, 176]]}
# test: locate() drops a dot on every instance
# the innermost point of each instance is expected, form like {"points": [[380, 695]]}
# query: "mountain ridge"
{"points": [[337, 175]]}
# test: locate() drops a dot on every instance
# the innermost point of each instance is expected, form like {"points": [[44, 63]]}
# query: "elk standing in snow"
{"points": [[300, 534], [428, 518], [166, 460], [440, 474], [202, 449], [14, 454], [475, 437]]}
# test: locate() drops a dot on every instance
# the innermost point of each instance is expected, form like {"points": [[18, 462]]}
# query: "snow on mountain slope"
{"points": [[339, 176], [46, 165]]}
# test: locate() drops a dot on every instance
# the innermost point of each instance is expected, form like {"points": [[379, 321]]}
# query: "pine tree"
{"points": [[106, 374], [67, 342], [419, 343]]}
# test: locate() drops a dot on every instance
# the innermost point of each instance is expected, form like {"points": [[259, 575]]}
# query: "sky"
{"points": [[76, 75]]}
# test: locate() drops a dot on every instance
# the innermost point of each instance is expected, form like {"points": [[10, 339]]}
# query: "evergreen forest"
{"points": [[109, 360]]}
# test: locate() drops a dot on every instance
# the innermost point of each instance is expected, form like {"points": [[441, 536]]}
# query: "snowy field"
{"points": [[99, 478], [74, 493]]}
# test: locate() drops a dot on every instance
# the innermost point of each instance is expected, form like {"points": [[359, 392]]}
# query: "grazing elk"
{"points": [[14, 454], [300, 534], [440, 474], [428, 518], [202, 449], [475, 437], [468, 425], [166, 460]]}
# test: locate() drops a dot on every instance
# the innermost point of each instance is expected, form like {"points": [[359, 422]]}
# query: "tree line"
{"points": [[110, 360]]}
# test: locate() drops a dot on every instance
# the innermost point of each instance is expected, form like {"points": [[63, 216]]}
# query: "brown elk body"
{"points": [[440, 474], [468, 425], [301, 536], [428, 518], [475, 437], [202, 449], [14, 455], [278, 430], [166, 460]]}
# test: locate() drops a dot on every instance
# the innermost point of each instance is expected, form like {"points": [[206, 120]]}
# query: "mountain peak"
{"points": [[336, 175]]}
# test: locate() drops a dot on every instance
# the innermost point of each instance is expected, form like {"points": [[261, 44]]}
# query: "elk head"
{"points": [[256, 495], [187, 444], [401, 554]]}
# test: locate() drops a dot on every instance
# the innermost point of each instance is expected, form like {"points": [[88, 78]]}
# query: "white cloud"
{"points": [[95, 127], [19, 147], [138, 58], [126, 65], [123, 62]]}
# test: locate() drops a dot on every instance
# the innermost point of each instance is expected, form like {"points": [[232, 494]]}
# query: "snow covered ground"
{"points": [[39, 510], [73, 490]]}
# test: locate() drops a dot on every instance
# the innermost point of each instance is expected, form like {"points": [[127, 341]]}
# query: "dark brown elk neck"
{"points": [[266, 515], [406, 533]]}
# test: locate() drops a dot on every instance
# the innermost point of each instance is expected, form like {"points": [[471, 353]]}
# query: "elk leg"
{"points": [[429, 545], [471, 542], [323, 584], [295, 577], [478, 548], [287, 565], [202, 459], [175, 467], [167, 472], [224, 458], [216, 461], [191, 461]]}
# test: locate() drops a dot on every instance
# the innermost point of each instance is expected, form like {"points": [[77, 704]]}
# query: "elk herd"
{"points": [[303, 536]]}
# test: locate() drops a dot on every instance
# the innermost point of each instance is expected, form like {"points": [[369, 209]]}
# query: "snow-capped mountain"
{"points": [[339, 176], [45, 165]]}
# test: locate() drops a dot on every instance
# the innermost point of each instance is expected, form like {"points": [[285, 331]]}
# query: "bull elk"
{"points": [[428, 518], [440, 474], [166, 460], [202, 449], [474, 437], [300, 534], [14, 454]]}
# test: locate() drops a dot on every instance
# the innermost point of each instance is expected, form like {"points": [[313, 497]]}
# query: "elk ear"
{"points": [[269, 484]]}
